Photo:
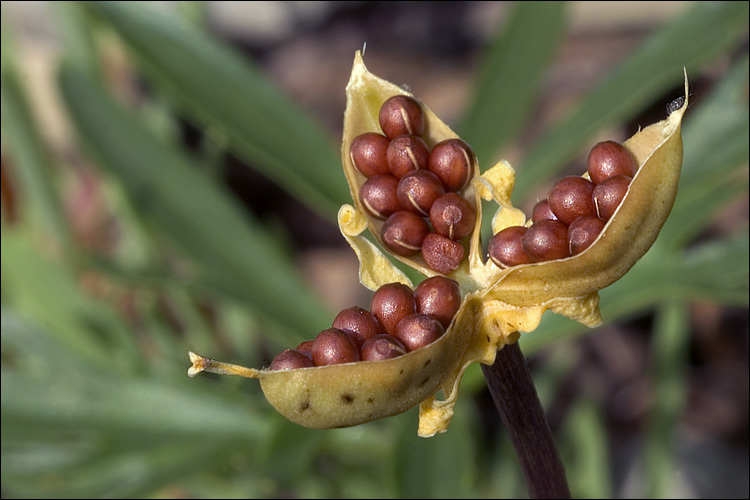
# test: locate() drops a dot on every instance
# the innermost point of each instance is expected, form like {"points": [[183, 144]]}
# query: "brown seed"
{"points": [[582, 232], [391, 303], [442, 254], [401, 115], [334, 346], [452, 161], [610, 158], [290, 359], [418, 330], [360, 323], [367, 152], [438, 297], [546, 240], [418, 190], [381, 347], [453, 216], [608, 195], [305, 348], [379, 196], [570, 198], [404, 232], [405, 154], [505, 248], [542, 211]]}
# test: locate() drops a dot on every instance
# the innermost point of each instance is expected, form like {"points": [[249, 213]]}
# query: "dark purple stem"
{"points": [[513, 391]]}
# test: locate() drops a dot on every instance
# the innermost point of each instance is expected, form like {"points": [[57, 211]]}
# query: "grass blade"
{"points": [[233, 253], [217, 88], [511, 73]]}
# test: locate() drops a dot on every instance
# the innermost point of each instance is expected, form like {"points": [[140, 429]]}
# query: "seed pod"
{"points": [[366, 94], [496, 305]]}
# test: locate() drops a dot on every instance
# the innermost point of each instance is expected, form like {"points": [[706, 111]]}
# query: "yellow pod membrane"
{"points": [[497, 303]]}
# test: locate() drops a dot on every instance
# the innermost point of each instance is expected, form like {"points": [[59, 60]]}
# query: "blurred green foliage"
{"points": [[95, 401]]}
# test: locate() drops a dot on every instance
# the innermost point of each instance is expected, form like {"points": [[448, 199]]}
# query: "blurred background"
{"points": [[170, 179]]}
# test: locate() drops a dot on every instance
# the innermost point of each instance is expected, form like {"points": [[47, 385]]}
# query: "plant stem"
{"points": [[513, 391]]}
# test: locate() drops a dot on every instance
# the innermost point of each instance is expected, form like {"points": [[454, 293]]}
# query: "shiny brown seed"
{"points": [[610, 158], [608, 195], [290, 359], [391, 303], [542, 211], [418, 190], [334, 346], [360, 323], [368, 153], [379, 196], [405, 154], [418, 330], [546, 240], [453, 216], [505, 248], [442, 254], [305, 348], [404, 232], [401, 115], [570, 198], [582, 232], [381, 347], [452, 161], [438, 297]]}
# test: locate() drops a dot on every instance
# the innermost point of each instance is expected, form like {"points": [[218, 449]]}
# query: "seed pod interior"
{"points": [[365, 95]]}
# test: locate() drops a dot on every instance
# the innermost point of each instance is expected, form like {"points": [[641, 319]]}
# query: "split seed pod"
{"points": [[497, 303]]}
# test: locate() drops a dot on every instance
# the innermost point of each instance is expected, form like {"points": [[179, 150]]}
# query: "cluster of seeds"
{"points": [[573, 214], [399, 321], [415, 189]]}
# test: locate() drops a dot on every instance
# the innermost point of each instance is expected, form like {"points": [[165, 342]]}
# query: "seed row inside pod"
{"points": [[574, 213], [415, 189], [399, 321]]}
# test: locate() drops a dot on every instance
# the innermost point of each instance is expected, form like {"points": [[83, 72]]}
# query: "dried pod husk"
{"points": [[497, 303]]}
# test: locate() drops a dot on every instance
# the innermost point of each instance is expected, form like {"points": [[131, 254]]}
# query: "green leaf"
{"points": [[30, 159], [703, 33], [233, 252], [670, 353], [506, 89], [219, 89]]}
